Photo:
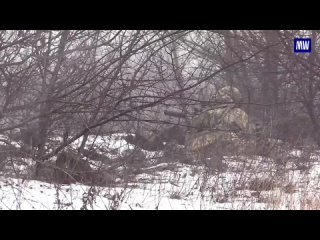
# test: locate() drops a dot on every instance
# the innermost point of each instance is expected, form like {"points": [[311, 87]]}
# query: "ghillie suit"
{"points": [[29, 137], [134, 158], [70, 169], [216, 130]]}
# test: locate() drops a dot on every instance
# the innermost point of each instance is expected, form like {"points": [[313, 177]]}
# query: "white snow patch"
{"points": [[172, 186]]}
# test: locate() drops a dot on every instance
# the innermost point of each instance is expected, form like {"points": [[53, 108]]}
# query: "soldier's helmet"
{"points": [[229, 94]]}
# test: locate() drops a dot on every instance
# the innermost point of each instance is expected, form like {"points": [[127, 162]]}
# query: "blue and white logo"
{"points": [[302, 45]]}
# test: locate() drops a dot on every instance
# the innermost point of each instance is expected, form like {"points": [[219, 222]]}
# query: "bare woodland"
{"points": [[59, 87]]}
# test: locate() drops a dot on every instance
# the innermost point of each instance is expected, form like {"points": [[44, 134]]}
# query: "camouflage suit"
{"points": [[216, 131]]}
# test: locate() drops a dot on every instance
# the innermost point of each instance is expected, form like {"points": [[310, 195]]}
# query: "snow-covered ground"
{"points": [[182, 188], [249, 183]]}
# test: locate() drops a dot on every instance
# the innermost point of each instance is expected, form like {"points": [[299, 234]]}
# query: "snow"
{"points": [[174, 186], [4, 139], [166, 190]]}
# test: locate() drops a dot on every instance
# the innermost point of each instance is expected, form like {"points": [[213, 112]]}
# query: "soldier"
{"points": [[216, 130], [29, 136], [70, 169]]}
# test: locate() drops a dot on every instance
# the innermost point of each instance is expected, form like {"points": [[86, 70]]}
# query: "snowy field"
{"points": [[249, 183]]}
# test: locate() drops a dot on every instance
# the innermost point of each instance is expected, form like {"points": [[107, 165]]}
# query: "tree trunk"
{"points": [[270, 83]]}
